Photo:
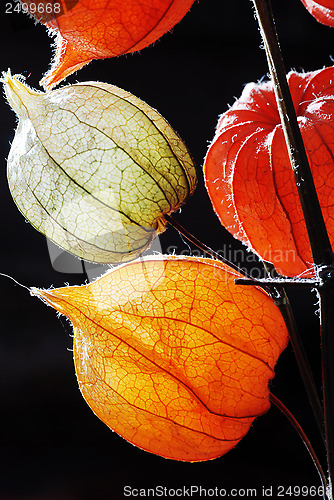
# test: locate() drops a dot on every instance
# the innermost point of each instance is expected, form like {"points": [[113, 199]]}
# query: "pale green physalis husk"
{"points": [[94, 168]]}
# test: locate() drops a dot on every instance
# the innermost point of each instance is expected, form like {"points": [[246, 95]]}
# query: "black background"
{"points": [[52, 447]]}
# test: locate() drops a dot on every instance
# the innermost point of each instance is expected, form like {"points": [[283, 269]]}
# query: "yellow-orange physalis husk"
{"points": [[172, 355], [95, 169]]}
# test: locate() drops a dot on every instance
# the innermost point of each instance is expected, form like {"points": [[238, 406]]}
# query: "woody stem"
{"points": [[322, 253], [190, 237], [302, 360], [303, 437], [283, 303], [316, 228]]}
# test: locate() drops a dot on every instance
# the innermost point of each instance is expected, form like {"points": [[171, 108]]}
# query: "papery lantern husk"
{"points": [[95, 169], [87, 29], [322, 10], [249, 176], [172, 355]]}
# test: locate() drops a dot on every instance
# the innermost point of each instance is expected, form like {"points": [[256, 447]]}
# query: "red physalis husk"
{"points": [[249, 176], [322, 10], [96, 29]]}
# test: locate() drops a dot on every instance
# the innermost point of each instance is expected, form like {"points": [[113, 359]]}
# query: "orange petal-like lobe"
{"points": [[172, 355], [96, 29], [322, 10], [249, 177]]}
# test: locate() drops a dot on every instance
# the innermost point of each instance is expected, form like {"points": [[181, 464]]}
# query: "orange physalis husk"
{"points": [[172, 355], [96, 29], [322, 10], [249, 176]]}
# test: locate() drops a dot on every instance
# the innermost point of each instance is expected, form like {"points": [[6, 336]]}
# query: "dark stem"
{"points": [[316, 228], [303, 437], [279, 282], [326, 293], [302, 361], [282, 301], [320, 245], [202, 246]]}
